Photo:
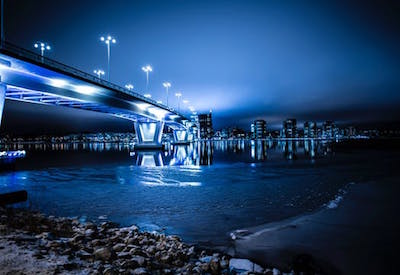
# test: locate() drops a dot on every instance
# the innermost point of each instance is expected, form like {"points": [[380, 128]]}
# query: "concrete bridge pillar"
{"points": [[181, 137], [3, 89], [148, 134]]}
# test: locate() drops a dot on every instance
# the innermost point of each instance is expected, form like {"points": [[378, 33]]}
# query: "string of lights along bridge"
{"points": [[147, 69]]}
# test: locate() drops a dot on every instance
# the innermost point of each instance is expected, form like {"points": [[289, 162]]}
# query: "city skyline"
{"points": [[274, 61]]}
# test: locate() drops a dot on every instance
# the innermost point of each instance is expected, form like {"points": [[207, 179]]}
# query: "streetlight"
{"points": [[167, 85], [108, 40], [147, 95], [192, 109], [99, 73], [129, 86], [147, 69], [185, 101], [178, 95], [42, 46]]}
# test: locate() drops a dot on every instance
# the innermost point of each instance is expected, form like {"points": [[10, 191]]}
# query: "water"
{"points": [[201, 191]]}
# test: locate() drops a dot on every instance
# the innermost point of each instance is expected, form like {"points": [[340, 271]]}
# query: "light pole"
{"points": [[99, 73], [129, 86], [108, 40], [147, 69], [179, 95], [42, 46], [167, 85]]}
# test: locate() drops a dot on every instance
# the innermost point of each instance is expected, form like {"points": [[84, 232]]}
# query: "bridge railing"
{"points": [[32, 56]]}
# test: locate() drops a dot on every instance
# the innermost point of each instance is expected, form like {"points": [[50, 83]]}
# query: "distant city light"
{"points": [[159, 101], [185, 101], [147, 95], [42, 46], [109, 40]]}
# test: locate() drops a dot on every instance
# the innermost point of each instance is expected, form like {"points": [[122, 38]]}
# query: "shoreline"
{"points": [[353, 237], [31, 242]]}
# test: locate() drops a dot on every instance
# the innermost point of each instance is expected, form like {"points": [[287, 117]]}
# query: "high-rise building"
{"points": [[328, 130], [289, 128], [259, 129], [310, 129], [206, 129]]}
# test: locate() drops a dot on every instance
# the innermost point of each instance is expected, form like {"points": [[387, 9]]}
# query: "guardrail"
{"points": [[32, 56]]}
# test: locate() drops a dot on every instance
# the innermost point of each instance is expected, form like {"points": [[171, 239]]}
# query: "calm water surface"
{"points": [[201, 191]]}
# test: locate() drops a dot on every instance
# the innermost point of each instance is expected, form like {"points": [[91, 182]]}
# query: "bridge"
{"points": [[29, 77]]}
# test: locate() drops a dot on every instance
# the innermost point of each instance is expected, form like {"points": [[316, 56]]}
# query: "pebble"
{"points": [[108, 249]]}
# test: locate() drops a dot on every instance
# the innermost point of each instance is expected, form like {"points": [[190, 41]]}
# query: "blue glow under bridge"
{"points": [[29, 77]]}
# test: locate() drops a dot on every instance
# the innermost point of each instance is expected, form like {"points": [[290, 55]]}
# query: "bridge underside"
{"points": [[43, 81], [38, 97], [27, 77]]}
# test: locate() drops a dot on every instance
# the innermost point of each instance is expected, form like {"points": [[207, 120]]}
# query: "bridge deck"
{"points": [[32, 78]]}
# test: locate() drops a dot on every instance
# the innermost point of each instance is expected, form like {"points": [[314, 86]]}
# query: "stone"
{"points": [[214, 266], [104, 254], [140, 271], [244, 265], [119, 247], [139, 259], [110, 271]]}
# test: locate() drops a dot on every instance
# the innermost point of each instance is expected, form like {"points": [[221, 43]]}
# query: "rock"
{"points": [[70, 266], [119, 247], [84, 255], [276, 271], [214, 266], [140, 260], [140, 271], [123, 255], [104, 254], [110, 271], [244, 265], [206, 259]]}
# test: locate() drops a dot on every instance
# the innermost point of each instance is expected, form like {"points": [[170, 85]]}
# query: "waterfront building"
{"points": [[310, 129], [206, 129], [329, 130], [259, 129], [289, 128]]}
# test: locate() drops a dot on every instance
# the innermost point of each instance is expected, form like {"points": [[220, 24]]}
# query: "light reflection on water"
{"points": [[201, 191], [197, 153]]}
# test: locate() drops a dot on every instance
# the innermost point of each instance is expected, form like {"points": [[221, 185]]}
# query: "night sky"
{"points": [[242, 59]]}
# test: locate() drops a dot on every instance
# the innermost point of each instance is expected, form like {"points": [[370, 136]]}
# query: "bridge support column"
{"points": [[181, 137], [3, 89], [148, 135]]}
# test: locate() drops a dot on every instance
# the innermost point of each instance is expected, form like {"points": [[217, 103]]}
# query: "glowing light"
{"points": [[178, 94], [42, 46], [99, 73], [129, 86], [142, 106], [147, 68], [147, 95], [185, 101], [159, 101], [167, 85], [59, 83], [86, 90], [159, 113]]}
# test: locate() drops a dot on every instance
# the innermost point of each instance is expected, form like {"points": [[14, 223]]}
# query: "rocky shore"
{"points": [[31, 242]]}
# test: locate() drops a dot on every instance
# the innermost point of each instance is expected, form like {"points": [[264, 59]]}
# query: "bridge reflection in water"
{"points": [[199, 153]]}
